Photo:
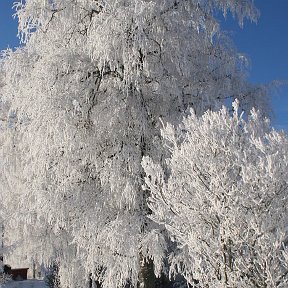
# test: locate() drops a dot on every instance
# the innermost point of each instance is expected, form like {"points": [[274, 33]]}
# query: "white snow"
{"points": [[25, 284]]}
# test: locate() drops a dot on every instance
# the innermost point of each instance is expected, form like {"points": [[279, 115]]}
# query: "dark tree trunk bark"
{"points": [[147, 278]]}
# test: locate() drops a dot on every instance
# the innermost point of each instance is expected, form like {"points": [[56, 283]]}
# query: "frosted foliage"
{"points": [[224, 201], [83, 98], [163, 48]]}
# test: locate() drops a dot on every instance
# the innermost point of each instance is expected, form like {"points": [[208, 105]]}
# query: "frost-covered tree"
{"points": [[85, 93], [224, 201]]}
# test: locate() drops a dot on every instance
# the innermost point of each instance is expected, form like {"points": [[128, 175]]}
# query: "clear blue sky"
{"points": [[265, 44]]}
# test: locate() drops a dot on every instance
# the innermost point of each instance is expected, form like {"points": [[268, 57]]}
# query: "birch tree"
{"points": [[224, 201], [86, 90]]}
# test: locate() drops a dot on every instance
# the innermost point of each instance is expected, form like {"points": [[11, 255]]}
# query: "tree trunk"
{"points": [[147, 278]]}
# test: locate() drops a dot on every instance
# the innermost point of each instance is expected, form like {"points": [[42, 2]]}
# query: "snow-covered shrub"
{"points": [[4, 278], [224, 200]]}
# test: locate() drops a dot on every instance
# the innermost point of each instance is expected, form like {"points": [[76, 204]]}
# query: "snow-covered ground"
{"points": [[24, 284]]}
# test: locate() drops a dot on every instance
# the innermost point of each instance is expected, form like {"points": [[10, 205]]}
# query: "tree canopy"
{"points": [[83, 98]]}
